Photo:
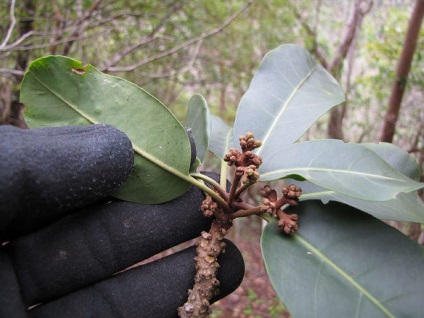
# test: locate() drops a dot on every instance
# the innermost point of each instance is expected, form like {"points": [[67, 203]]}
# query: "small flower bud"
{"points": [[257, 143], [239, 171], [288, 223]]}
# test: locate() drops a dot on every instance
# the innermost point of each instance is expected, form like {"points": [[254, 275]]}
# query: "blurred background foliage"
{"points": [[175, 48]]}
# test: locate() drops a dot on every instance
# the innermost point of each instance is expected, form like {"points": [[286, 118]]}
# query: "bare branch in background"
{"points": [[79, 25], [11, 71], [334, 66], [312, 33], [151, 37], [11, 26], [27, 47], [15, 44], [183, 45], [353, 27], [180, 71]]}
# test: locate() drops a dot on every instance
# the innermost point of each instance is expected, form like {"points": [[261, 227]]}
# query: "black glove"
{"points": [[64, 241]]}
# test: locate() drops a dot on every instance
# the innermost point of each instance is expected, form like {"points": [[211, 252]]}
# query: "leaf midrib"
{"points": [[88, 118], [136, 149], [285, 105], [285, 172], [343, 274]]}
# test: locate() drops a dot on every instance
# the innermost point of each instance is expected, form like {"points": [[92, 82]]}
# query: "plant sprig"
{"points": [[210, 245]]}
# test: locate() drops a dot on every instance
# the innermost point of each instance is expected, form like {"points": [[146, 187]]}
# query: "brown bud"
{"points": [[206, 235], [239, 171], [288, 223], [257, 143]]}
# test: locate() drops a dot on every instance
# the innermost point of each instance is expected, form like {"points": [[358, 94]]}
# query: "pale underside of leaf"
{"points": [[407, 207], [396, 157], [344, 263], [198, 119], [345, 168], [288, 93], [221, 139]]}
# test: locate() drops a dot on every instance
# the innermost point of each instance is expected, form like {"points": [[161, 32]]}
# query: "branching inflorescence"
{"points": [[211, 244]]}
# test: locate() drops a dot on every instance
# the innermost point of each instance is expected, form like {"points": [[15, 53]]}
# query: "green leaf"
{"points": [[288, 93], [397, 158], [349, 169], [403, 207], [344, 263], [60, 91], [198, 119], [221, 139]]}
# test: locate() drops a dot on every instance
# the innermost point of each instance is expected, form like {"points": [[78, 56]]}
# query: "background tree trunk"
{"points": [[353, 27], [402, 71], [25, 26]]}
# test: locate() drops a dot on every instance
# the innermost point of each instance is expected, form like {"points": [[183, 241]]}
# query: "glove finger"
{"points": [[152, 290], [91, 245], [11, 304], [49, 171]]}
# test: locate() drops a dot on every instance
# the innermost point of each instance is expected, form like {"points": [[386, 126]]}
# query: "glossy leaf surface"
{"points": [[349, 169], [344, 263], [61, 91], [288, 93]]}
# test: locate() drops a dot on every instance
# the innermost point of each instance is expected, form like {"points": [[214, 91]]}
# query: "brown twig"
{"points": [[182, 45], [208, 249]]}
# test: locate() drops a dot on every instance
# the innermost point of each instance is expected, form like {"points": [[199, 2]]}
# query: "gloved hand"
{"points": [[64, 242]]}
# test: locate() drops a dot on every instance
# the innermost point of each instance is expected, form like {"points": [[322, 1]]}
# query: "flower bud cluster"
{"points": [[209, 206], [272, 205], [248, 142], [250, 175], [288, 223], [251, 158], [246, 162], [291, 194], [269, 196], [267, 207], [232, 158], [268, 192], [242, 159]]}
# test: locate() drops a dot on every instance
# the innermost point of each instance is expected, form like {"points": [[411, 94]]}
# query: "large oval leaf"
{"points": [[397, 158], [198, 119], [344, 263], [403, 207], [407, 207], [349, 169], [61, 91], [288, 93]]}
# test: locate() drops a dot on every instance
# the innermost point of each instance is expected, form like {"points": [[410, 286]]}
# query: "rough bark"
{"points": [[206, 285]]}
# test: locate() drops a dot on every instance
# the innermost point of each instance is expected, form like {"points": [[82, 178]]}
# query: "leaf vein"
{"points": [[362, 290]]}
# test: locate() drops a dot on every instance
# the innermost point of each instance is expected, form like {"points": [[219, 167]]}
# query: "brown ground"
{"points": [[255, 298]]}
